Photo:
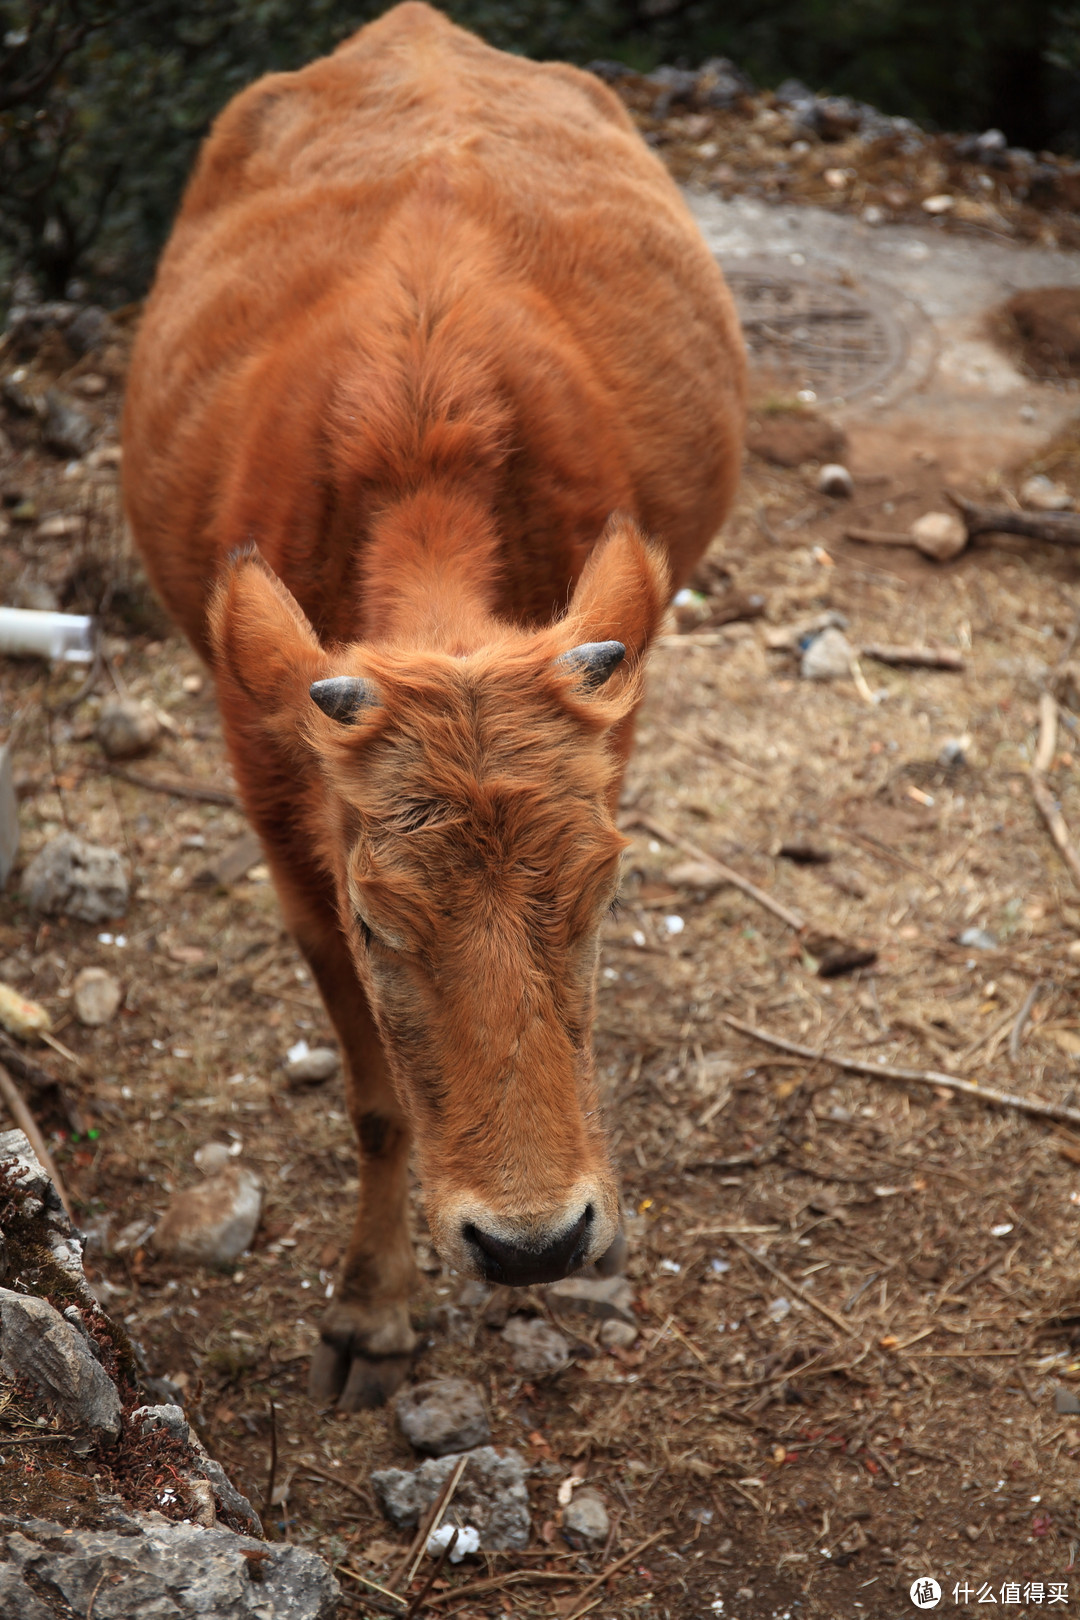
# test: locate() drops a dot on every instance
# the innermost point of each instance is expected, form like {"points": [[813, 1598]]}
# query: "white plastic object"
{"points": [[28, 633]]}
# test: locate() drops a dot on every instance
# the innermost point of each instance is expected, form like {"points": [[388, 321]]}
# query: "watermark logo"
{"points": [[925, 1593]]}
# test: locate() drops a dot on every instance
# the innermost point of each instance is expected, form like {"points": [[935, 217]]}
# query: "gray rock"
{"points": [[97, 996], [37, 1344], [602, 1298], [447, 1414], [828, 657], [491, 1495], [320, 1064], [42, 1206], [536, 1350], [204, 1470], [213, 1223], [89, 329], [585, 1518], [126, 728], [66, 429], [160, 1571], [68, 877], [618, 1335]]}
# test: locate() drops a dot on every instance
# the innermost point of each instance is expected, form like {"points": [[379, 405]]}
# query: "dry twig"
{"points": [[176, 789], [26, 1122], [612, 1569], [411, 1562], [1021, 1021], [785, 913], [920, 1077], [916, 657], [794, 1288], [1040, 787]]}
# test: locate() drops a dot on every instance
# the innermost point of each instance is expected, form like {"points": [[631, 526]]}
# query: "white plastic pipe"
{"points": [[27, 633]]}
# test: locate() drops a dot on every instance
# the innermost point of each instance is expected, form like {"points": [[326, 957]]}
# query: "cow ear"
{"points": [[263, 646], [622, 592]]}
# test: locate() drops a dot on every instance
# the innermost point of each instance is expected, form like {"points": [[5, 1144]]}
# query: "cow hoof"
{"points": [[361, 1360]]}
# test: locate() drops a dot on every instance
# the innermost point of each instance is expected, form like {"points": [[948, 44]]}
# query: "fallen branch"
{"points": [[916, 657], [919, 1077], [175, 789], [1057, 528], [1040, 788], [786, 915], [26, 1122]]}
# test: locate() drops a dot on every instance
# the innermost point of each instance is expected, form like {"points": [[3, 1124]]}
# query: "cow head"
{"points": [[464, 816]]}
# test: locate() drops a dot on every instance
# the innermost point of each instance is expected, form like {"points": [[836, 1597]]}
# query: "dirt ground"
{"points": [[857, 1297]]}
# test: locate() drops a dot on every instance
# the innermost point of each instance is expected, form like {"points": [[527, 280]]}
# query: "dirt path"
{"points": [[857, 1299]]}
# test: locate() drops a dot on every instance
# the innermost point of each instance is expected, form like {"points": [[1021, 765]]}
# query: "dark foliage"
{"points": [[103, 102]]}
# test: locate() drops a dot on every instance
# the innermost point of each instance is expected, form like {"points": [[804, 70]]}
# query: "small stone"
{"points": [[536, 1350], [61, 526], [71, 878], [978, 939], [828, 657], [599, 1297], [939, 535], [37, 1344], [491, 1495], [66, 429], [618, 1335], [458, 1325], [585, 1518], [1041, 494], [90, 329], [211, 1224], [834, 479], [212, 1157], [91, 384], [313, 1068], [444, 1415], [126, 728], [97, 997], [942, 203]]}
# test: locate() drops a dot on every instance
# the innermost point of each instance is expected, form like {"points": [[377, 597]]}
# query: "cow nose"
{"points": [[521, 1264]]}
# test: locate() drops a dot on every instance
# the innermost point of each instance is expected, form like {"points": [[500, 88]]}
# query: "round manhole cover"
{"points": [[816, 334]]}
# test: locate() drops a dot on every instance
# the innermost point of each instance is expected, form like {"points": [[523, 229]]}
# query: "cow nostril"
{"points": [[522, 1264]]}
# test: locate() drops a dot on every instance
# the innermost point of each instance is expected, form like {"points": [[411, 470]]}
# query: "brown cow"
{"points": [[429, 316]]}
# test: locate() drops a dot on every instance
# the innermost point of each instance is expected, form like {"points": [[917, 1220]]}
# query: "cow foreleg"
{"points": [[366, 1338]]}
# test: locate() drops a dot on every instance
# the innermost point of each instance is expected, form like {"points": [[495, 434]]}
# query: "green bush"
{"points": [[103, 102]]}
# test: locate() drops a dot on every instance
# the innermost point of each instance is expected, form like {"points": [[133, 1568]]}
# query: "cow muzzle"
{"points": [[523, 1250]]}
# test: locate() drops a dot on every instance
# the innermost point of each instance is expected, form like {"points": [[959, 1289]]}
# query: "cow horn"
{"points": [[597, 661], [342, 697]]}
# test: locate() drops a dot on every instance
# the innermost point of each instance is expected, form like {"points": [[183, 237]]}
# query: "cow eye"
{"points": [[365, 930]]}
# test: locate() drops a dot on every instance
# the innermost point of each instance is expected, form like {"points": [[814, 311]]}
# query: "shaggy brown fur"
{"points": [[429, 316]]}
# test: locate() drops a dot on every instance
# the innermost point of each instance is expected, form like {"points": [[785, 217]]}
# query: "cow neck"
{"points": [[431, 569]]}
